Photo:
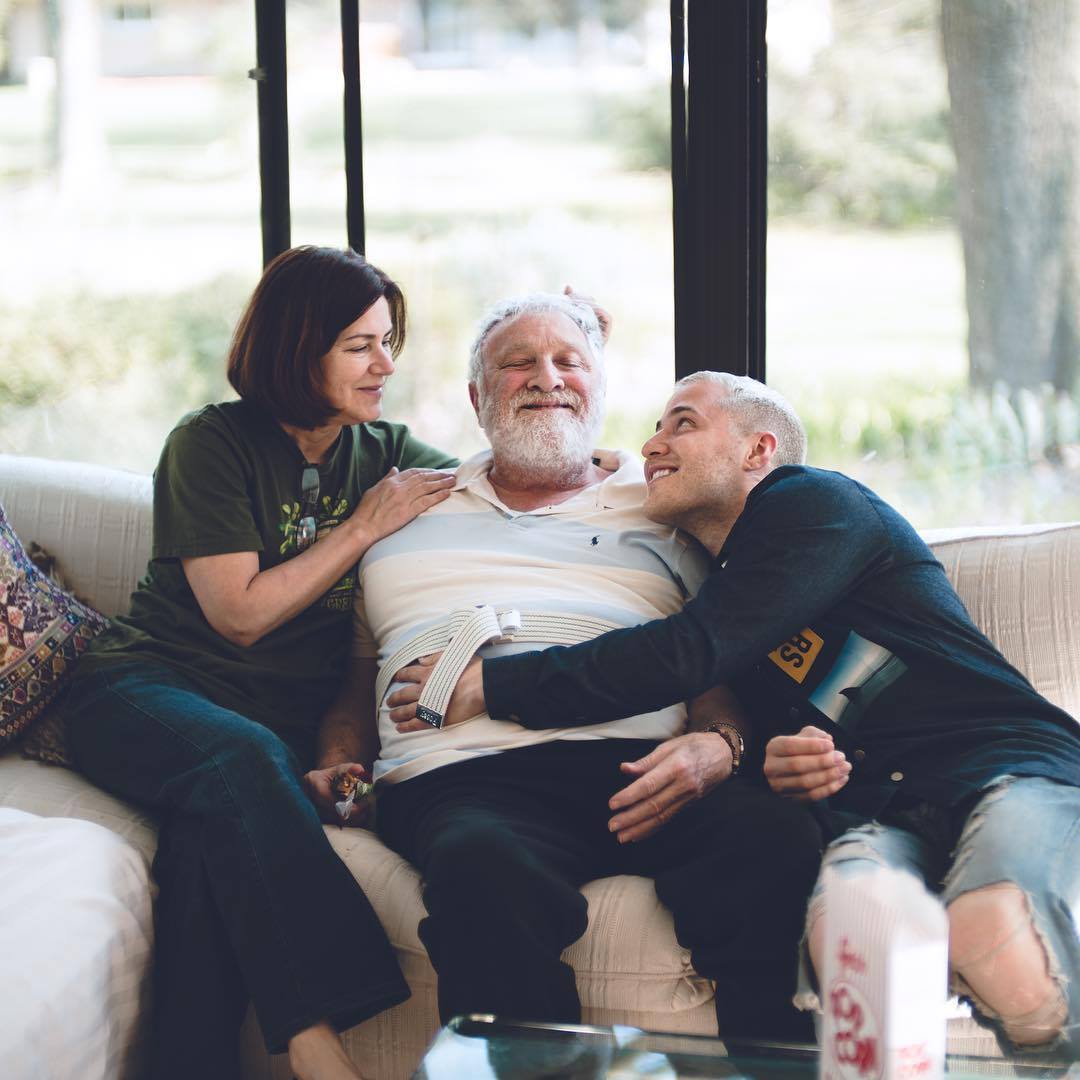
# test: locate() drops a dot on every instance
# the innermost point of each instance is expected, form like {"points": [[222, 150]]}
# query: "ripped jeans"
{"points": [[1024, 831]]}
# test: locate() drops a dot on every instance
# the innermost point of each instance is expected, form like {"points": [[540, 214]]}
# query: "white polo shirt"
{"points": [[594, 554]]}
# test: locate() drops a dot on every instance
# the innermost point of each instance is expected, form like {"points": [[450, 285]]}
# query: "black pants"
{"points": [[503, 843]]}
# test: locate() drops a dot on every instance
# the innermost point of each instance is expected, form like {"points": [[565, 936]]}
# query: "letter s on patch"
{"points": [[796, 656]]}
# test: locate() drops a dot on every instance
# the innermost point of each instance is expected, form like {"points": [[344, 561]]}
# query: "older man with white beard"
{"points": [[543, 541]]}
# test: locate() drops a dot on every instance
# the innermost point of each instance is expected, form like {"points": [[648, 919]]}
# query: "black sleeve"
{"points": [[803, 541]]}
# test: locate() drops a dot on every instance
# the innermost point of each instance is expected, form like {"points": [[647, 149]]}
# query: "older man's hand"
{"points": [[467, 700], [676, 773]]}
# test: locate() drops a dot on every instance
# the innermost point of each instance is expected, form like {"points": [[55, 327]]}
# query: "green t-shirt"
{"points": [[229, 479]]}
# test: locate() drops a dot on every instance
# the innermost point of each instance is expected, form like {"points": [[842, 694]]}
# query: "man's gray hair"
{"points": [[535, 303], [756, 407]]}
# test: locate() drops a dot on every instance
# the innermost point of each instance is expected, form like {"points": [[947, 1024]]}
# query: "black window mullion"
{"points": [[354, 142], [270, 76], [719, 218], [757, 168], [678, 172]]}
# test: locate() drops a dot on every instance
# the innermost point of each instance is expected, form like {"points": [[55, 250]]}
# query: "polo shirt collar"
{"points": [[624, 486]]}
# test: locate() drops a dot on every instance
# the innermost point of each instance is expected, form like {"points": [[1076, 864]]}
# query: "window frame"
{"points": [[718, 172], [718, 169]]}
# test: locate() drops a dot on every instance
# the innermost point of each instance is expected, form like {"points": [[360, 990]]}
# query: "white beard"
{"points": [[545, 446]]}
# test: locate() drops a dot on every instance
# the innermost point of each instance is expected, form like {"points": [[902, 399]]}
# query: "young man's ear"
{"points": [[761, 451]]}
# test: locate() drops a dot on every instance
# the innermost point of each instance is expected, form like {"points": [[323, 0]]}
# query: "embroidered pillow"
{"points": [[43, 631]]}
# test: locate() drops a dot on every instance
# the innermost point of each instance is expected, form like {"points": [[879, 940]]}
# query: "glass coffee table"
{"points": [[481, 1047]]}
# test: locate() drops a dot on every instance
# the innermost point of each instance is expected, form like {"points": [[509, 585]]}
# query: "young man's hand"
{"points": [[807, 766], [467, 700], [603, 316]]}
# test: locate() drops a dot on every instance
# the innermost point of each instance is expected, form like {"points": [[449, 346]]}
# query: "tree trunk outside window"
{"points": [[78, 123], [1014, 71]]}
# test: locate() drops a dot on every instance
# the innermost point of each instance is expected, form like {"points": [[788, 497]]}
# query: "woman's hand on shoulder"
{"points": [[399, 497], [243, 603]]}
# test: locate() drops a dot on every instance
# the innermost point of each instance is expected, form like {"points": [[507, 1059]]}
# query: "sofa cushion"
{"points": [[43, 632], [1022, 587], [76, 930], [97, 521], [630, 961], [48, 791], [47, 740]]}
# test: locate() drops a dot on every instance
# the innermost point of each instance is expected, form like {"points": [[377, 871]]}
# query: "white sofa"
{"points": [[1022, 586]]}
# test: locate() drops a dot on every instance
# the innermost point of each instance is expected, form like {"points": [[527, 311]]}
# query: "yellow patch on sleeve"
{"points": [[796, 656]]}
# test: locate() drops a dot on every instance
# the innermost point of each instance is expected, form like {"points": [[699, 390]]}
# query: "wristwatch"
{"points": [[733, 737]]}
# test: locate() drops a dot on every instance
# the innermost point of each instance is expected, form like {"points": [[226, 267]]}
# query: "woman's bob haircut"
{"points": [[304, 299]]}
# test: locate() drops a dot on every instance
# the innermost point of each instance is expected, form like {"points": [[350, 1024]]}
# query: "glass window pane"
{"points": [[129, 211], [922, 261], [508, 147], [316, 139], [512, 147]]}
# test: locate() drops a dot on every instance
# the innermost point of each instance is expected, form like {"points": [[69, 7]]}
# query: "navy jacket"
{"points": [[824, 607]]}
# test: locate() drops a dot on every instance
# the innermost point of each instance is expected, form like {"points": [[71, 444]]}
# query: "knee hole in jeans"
{"points": [[1002, 962]]}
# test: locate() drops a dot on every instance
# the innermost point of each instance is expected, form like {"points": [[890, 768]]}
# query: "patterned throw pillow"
{"points": [[43, 631]]}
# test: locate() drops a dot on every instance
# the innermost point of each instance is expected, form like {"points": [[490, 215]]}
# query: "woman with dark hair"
{"points": [[204, 703]]}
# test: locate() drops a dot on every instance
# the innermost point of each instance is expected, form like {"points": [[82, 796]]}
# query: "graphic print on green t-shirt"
{"points": [[331, 511]]}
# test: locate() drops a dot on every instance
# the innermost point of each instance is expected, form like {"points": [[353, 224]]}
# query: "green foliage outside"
{"points": [[83, 339], [5, 11], [89, 340], [862, 135], [109, 377], [641, 124], [941, 452], [950, 455]]}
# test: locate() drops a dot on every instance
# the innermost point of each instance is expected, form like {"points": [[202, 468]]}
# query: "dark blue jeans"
{"points": [[254, 903]]}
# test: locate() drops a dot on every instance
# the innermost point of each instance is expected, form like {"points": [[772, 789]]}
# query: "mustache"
{"points": [[524, 398]]}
